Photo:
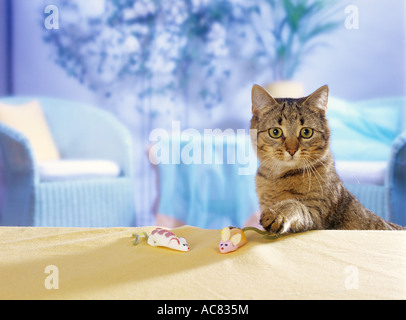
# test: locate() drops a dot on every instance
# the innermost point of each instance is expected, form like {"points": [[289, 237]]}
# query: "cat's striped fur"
{"points": [[297, 184]]}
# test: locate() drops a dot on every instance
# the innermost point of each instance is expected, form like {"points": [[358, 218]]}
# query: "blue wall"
{"points": [[369, 62], [3, 48]]}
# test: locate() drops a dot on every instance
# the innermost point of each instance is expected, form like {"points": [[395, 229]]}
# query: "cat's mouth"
{"points": [[291, 156], [295, 160], [283, 158], [292, 161]]}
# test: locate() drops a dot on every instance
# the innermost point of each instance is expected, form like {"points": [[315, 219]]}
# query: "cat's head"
{"points": [[291, 133]]}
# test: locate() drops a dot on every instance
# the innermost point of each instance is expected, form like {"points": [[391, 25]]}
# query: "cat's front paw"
{"points": [[271, 221], [286, 216]]}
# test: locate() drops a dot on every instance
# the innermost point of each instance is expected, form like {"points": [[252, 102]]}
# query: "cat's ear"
{"points": [[260, 98], [318, 98]]}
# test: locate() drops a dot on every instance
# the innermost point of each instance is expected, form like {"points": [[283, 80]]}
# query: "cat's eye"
{"points": [[306, 133], [275, 133]]}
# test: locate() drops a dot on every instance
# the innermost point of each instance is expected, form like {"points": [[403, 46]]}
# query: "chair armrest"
{"points": [[396, 180], [17, 154], [20, 177]]}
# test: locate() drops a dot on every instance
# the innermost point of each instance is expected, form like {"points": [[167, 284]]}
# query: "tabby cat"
{"points": [[296, 182]]}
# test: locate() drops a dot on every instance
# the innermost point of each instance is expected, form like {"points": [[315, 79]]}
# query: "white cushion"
{"points": [[362, 172], [77, 169]]}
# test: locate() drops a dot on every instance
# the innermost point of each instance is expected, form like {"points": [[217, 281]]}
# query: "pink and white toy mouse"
{"points": [[231, 239], [164, 238]]}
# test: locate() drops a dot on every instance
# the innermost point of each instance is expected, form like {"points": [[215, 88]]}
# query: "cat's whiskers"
{"points": [[315, 173], [307, 170], [318, 161], [310, 173]]}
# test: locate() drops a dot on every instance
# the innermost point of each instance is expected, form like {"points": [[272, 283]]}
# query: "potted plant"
{"points": [[295, 27]]}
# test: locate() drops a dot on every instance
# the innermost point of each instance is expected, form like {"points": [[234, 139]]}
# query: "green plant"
{"points": [[295, 27]]}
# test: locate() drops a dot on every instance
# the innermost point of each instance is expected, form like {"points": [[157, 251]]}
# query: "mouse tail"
{"points": [[266, 235], [138, 235]]}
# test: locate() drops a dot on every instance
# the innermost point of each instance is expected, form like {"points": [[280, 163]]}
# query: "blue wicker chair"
{"points": [[79, 132], [374, 130]]}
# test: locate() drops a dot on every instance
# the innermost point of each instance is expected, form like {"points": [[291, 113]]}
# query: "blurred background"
{"points": [[151, 62]]}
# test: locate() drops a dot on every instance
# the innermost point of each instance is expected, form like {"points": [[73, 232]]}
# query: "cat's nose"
{"points": [[291, 151]]}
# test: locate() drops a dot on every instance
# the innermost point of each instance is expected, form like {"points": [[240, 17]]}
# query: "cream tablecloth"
{"points": [[78, 263]]}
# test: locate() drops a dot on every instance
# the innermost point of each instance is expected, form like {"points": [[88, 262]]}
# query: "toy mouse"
{"points": [[233, 238], [163, 238]]}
